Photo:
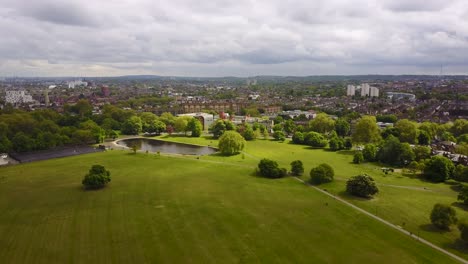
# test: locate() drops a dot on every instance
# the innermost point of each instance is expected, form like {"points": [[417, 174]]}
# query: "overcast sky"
{"points": [[235, 38]]}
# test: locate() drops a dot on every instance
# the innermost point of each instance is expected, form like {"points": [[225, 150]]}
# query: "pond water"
{"points": [[153, 145]]}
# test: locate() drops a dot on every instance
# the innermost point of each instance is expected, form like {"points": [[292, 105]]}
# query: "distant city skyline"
{"points": [[232, 38]]}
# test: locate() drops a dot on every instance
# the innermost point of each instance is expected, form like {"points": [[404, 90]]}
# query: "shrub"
{"points": [[315, 139], [298, 138], [463, 195], [279, 135], [442, 216], [463, 227], [323, 173], [231, 143], [297, 168], [96, 178], [270, 169], [362, 185], [358, 157]]}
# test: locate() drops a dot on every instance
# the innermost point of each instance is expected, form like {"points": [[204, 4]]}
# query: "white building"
{"points": [[75, 83], [18, 97], [351, 90], [365, 88], [374, 92]]}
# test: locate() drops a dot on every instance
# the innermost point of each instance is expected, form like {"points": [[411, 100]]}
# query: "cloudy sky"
{"points": [[235, 38]]}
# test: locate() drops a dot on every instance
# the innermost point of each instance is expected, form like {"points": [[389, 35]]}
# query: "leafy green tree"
{"points": [[438, 169], [348, 144], [408, 131], [298, 138], [195, 127], [447, 136], [463, 195], [168, 119], [132, 126], [370, 152], [297, 168], [387, 118], [96, 178], [315, 139], [362, 185], [393, 152], [322, 123], [155, 126], [463, 227], [270, 169], [231, 143], [246, 131], [460, 173], [336, 143], [180, 124], [83, 137], [323, 173], [358, 157], [342, 127], [366, 130], [5, 144], [424, 138], [22, 142], [279, 135], [443, 216], [390, 131], [218, 128], [422, 152], [289, 126], [459, 127]]}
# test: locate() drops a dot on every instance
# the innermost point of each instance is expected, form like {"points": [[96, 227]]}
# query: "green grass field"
{"points": [[176, 209]]}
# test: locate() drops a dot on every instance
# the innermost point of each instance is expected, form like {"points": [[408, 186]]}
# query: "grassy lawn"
{"points": [[181, 209], [404, 200]]}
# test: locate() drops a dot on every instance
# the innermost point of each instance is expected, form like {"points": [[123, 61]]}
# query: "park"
{"points": [[185, 208]]}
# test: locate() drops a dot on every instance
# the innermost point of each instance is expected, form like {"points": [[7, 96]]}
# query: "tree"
{"points": [[459, 127], [323, 173], [362, 185], [231, 143], [460, 173], [442, 216], [195, 127], [132, 126], [289, 126], [246, 131], [270, 169], [422, 152], [348, 144], [336, 143], [218, 128], [315, 139], [155, 126], [438, 169], [370, 152], [279, 135], [358, 157], [424, 138], [408, 131], [298, 138], [297, 168], [393, 152], [367, 130], [96, 178], [342, 127], [180, 124], [322, 123], [463, 227], [463, 195]]}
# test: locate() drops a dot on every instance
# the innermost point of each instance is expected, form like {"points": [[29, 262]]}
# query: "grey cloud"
{"points": [[186, 37]]}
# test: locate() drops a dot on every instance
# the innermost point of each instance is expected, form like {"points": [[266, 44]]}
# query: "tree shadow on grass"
{"points": [[462, 206], [433, 229], [346, 152], [459, 245], [348, 196]]}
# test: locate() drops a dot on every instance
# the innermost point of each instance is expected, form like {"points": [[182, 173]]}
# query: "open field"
{"points": [[403, 200], [181, 209]]}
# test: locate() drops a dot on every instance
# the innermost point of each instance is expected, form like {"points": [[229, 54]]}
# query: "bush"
{"points": [[323, 173], [231, 143], [438, 169], [442, 216], [297, 168], [270, 169], [370, 152], [298, 138], [362, 185], [348, 143], [279, 135], [336, 144], [463, 227], [358, 157], [96, 178], [315, 139], [463, 195]]}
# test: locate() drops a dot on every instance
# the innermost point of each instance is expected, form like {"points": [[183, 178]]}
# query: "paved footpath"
{"points": [[387, 223]]}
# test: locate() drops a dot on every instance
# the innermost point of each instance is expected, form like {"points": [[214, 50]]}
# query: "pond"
{"points": [[154, 145]]}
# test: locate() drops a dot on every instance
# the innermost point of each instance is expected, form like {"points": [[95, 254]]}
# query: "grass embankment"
{"points": [[182, 209]]}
